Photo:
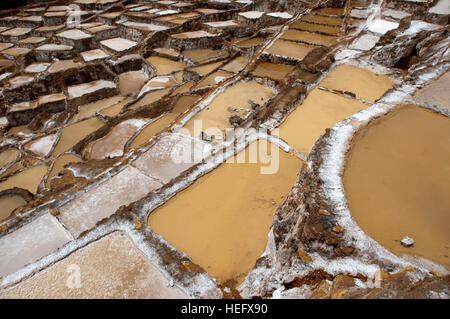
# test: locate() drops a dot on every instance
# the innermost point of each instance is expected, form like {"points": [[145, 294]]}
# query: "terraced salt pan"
{"points": [[93, 55], [308, 37], [281, 15], [63, 65], [312, 27], [28, 179], [59, 163], [360, 13], [227, 239], [435, 93], [223, 24], [8, 204], [252, 15], [396, 181], [319, 111], [167, 52], [126, 273], [365, 42], [42, 146], [83, 212], [31, 242], [289, 49], [206, 68], [249, 43], [171, 155], [149, 27], [158, 82], [15, 32], [4, 46], [32, 40], [118, 44], [86, 88], [322, 20], [366, 84], [442, 7], [8, 156], [418, 25], [20, 80], [165, 66], [90, 109], [72, 134], [193, 35], [131, 82], [74, 34], [37, 67], [272, 71], [216, 115], [236, 65], [201, 56], [152, 129], [113, 143], [213, 79], [15, 52], [395, 14], [151, 97], [381, 26], [54, 47]]}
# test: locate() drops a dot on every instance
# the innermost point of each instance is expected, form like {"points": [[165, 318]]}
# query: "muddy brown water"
{"points": [[151, 97], [250, 42], [272, 71], [165, 66], [131, 82], [201, 56], [222, 220], [319, 111], [7, 156], [8, 204], [237, 96], [308, 37], [305, 26], [290, 49], [72, 134], [152, 129], [28, 179], [322, 20], [207, 68], [89, 109], [59, 163], [364, 83], [214, 79], [397, 182]]}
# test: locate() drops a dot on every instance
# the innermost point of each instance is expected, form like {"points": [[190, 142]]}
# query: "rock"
{"points": [[205, 137], [323, 291], [303, 255], [235, 120], [54, 211], [138, 225], [3, 228], [407, 242]]}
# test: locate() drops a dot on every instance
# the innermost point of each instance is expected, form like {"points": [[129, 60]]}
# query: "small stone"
{"points": [[138, 225], [324, 212], [205, 137], [337, 229], [273, 203], [303, 255], [407, 242], [3, 228], [54, 211]]}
